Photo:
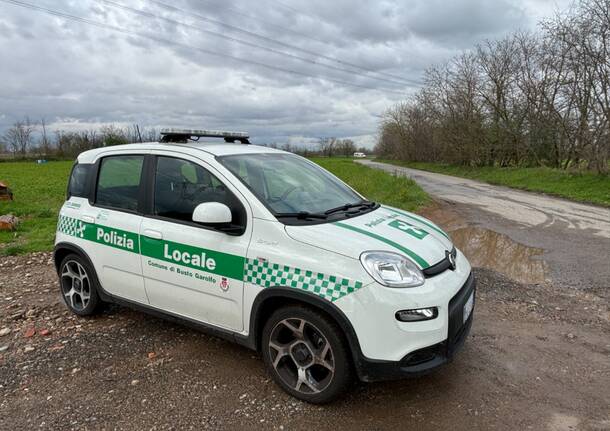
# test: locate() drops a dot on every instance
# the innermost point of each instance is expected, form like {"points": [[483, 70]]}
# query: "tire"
{"points": [[78, 285], [306, 354]]}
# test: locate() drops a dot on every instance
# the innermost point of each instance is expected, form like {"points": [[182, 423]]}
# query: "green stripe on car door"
{"points": [[417, 258], [224, 264], [256, 271], [430, 225]]}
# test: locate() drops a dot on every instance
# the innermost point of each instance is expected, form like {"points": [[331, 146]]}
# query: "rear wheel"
{"points": [[306, 354], [78, 285]]}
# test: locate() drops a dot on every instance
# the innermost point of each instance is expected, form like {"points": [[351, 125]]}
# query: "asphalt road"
{"points": [[574, 237]]}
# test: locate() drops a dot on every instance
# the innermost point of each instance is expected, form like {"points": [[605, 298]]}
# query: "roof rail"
{"points": [[184, 135]]}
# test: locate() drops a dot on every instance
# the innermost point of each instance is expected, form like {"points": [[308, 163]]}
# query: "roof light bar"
{"points": [[184, 135]]}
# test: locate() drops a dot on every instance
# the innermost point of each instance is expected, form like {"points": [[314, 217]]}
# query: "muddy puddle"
{"points": [[488, 249]]}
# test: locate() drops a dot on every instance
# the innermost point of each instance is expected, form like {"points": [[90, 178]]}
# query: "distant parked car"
{"points": [[359, 155]]}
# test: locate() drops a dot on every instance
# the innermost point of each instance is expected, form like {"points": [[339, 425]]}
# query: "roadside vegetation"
{"points": [[578, 186], [376, 185], [40, 191], [527, 100]]}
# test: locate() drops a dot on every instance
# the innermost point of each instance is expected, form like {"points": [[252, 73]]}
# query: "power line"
{"points": [[240, 41], [275, 41], [294, 10], [170, 42], [242, 12]]}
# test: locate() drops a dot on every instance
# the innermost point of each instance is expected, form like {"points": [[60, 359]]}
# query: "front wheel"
{"points": [[306, 354]]}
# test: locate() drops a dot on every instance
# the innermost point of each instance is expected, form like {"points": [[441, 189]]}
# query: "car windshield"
{"points": [[289, 185]]}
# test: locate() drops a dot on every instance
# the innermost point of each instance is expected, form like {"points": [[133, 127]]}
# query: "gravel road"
{"points": [[538, 358], [574, 237]]}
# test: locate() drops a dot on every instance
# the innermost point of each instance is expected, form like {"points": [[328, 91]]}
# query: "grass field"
{"points": [[40, 191], [399, 192], [583, 187]]}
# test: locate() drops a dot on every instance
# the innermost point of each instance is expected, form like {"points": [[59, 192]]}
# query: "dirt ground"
{"points": [[537, 358]]}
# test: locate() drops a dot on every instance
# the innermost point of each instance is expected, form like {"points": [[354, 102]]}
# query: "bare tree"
{"points": [[327, 146], [45, 142], [527, 99], [19, 137]]}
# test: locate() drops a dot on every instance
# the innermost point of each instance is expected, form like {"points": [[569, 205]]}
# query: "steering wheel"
{"points": [[288, 191]]}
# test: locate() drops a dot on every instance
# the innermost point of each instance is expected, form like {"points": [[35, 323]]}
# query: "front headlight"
{"points": [[392, 269]]}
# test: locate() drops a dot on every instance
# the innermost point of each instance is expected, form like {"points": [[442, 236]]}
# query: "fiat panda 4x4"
{"points": [[267, 249]]}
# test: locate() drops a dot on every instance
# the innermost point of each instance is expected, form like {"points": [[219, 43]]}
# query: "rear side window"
{"points": [[118, 183], [79, 181]]}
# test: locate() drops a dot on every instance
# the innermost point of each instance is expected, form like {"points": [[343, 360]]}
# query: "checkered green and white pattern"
{"points": [[70, 226], [266, 274]]}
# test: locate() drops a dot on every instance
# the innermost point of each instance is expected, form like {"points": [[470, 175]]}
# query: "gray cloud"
{"points": [[76, 75]]}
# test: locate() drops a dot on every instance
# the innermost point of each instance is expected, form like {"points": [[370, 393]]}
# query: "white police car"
{"points": [[267, 249]]}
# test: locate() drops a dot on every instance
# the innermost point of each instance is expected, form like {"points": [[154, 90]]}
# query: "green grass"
{"points": [[582, 187], [39, 193], [376, 185]]}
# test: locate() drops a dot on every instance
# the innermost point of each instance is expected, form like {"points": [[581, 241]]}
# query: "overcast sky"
{"points": [[77, 75]]}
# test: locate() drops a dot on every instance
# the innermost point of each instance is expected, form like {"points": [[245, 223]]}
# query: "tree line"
{"points": [[29, 139], [529, 99], [32, 139]]}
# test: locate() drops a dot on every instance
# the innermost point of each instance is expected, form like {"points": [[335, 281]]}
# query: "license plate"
{"points": [[468, 308]]}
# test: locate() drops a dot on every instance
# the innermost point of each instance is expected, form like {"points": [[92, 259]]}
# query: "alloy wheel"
{"points": [[75, 285], [301, 355]]}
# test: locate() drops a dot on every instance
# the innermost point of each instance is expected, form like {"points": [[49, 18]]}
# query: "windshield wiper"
{"points": [[365, 204], [301, 215]]}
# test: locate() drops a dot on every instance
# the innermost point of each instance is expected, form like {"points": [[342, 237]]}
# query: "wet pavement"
{"points": [[513, 231]]}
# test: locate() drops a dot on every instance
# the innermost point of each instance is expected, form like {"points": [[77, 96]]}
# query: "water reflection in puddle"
{"points": [[489, 249]]}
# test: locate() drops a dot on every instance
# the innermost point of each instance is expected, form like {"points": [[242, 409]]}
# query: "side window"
{"points": [[181, 185], [79, 180], [118, 182]]}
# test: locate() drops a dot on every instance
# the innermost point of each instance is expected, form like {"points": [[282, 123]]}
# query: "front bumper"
{"points": [[424, 360]]}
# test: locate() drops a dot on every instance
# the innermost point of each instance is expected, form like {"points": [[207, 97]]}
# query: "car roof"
{"points": [[212, 148]]}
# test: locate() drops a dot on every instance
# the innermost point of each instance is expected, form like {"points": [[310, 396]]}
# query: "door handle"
{"points": [[154, 234], [87, 219]]}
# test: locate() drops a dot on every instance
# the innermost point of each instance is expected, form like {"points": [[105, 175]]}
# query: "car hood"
{"points": [[385, 228]]}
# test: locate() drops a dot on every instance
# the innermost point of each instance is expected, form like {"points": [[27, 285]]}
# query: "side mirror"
{"points": [[213, 213]]}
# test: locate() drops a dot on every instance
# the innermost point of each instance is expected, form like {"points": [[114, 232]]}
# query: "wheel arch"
{"points": [[268, 300], [62, 249]]}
